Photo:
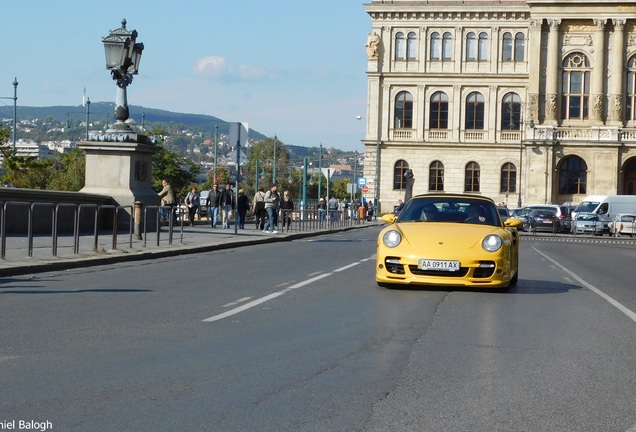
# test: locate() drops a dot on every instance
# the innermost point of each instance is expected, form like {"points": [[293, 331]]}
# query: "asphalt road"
{"points": [[297, 337]]}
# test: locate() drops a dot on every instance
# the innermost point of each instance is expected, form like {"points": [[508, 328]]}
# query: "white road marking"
{"points": [[234, 303], [278, 293], [630, 314]]}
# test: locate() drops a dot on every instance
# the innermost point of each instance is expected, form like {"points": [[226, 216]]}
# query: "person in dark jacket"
{"points": [[192, 200], [242, 206], [286, 208], [213, 201], [228, 204]]}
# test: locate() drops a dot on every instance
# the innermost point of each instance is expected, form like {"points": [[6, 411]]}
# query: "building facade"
{"points": [[526, 102]]}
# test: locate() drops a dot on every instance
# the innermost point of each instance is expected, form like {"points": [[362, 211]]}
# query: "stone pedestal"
{"points": [[120, 165]]}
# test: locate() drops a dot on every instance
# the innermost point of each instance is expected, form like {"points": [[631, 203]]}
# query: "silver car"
{"points": [[587, 223]]}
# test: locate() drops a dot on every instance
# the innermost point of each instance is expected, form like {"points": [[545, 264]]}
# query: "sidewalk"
{"points": [[200, 238]]}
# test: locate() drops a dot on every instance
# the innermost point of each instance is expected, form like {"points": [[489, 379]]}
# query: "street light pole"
{"points": [[15, 109], [216, 146], [88, 115], [320, 173]]}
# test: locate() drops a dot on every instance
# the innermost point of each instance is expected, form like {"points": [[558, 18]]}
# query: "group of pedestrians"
{"points": [[223, 203]]}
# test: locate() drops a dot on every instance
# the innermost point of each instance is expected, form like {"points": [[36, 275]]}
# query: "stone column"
{"points": [[617, 76], [598, 75], [552, 73], [534, 60]]}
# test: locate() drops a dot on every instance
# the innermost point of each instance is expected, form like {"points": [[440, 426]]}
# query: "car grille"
{"points": [[418, 272], [485, 270], [393, 265]]}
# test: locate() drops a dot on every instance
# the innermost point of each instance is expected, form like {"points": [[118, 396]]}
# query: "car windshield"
{"points": [[451, 209], [543, 214], [587, 217], [586, 206]]}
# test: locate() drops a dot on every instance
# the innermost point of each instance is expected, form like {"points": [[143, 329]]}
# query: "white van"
{"points": [[607, 206]]}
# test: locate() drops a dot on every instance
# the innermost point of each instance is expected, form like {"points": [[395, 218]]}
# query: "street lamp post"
{"points": [[376, 198], [88, 115], [123, 55], [15, 109], [320, 173]]}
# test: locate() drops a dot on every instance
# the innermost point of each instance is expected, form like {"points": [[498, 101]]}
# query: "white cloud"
{"points": [[218, 68]]}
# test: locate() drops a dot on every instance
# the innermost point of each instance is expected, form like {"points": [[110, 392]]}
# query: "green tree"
{"points": [[68, 171], [263, 152]]}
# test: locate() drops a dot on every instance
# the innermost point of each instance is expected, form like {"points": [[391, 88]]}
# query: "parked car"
{"points": [[522, 215], [504, 213], [562, 212], [543, 220], [451, 240], [587, 223], [623, 224]]}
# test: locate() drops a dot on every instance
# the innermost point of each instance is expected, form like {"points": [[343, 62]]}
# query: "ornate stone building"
{"points": [[522, 101]]}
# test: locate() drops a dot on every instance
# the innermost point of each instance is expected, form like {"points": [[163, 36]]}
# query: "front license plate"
{"points": [[439, 265]]}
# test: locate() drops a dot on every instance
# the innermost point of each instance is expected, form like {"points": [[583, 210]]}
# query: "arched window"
{"points": [[411, 46], [520, 47], [630, 108], [438, 114], [474, 111], [400, 46], [506, 47], [447, 46], [471, 177], [471, 47], [399, 181], [403, 110], [436, 47], [482, 53], [575, 87], [511, 112], [573, 176], [508, 178], [436, 176]]}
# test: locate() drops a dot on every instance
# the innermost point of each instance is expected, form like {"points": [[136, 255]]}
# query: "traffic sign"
{"points": [[362, 181], [365, 189]]}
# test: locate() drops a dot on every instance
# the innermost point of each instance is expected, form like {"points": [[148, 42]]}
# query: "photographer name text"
{"points": [[31, 425]]}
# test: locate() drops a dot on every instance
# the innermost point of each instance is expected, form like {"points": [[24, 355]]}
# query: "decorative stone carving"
{"points": [[619, 24], [535, 24], [373, 45], [616, 107], [597, 107], [533, 106], [554, 24], [577, 40], [600, 24], [551, 107]]}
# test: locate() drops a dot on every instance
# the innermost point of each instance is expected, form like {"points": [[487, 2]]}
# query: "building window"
{"points": [[436, 176], [520, 47], [474, 111], [447, 46], [631, 89], [403, 110], [575, 87], [438, 114], [482, 51], [411, 46], [436, 47], [400, 46], [511, 112], [471, 177], [513, 49], [508, 178], [471, 47], [399, 181], [573, 176]]}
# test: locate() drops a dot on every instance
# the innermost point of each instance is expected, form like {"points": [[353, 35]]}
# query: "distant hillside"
{"points": [[99, 110]]}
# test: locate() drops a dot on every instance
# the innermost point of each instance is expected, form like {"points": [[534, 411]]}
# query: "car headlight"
{"points": [[492, 243], [392, 238]]}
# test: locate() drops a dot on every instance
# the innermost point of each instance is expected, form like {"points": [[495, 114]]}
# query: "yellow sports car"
{"points": [[448, 240]]}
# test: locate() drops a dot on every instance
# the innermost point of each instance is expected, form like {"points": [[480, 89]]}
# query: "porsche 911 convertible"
{"points": [[448, 241]]}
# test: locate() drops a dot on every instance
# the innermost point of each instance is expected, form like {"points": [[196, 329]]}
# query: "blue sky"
{"points": [[294, 68]]}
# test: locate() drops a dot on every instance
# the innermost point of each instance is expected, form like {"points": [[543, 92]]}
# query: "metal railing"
{"points": [[55, 219]]}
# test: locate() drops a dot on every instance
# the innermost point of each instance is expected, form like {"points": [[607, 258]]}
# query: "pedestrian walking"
{"points": [[272, 199], [286, 209], [213, 201], [168, 199], [192, 200], [242, 206], [227, 204], [322, 210], [259, 208], [332, 208]]}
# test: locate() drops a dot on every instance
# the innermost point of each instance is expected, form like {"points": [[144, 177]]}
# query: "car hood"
{"points": [[457, 235]]}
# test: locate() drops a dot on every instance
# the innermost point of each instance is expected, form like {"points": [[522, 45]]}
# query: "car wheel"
{"points": [[514, 279]]}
